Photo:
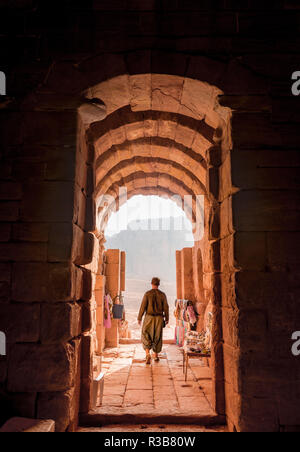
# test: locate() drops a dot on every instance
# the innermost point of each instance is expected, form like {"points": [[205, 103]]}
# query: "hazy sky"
{"points": [[141, 208]]}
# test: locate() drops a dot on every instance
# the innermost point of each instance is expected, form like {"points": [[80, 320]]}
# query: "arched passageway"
{"points": [[162, 136]]}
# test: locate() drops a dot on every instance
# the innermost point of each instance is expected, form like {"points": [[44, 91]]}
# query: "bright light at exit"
{"points": [[140, 209]]}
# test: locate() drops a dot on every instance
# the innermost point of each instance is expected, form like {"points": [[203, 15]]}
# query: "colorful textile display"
{"points": [[180, 332], [186, 319], [191, 315]]}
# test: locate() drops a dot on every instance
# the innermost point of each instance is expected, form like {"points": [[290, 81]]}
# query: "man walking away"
{"points": [[156, 308]]}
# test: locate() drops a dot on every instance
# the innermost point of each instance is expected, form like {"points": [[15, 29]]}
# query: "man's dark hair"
{"points": [[155, 282]]}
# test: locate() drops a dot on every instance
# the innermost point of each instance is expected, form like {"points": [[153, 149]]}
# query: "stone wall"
{"points": [[247, 50]]}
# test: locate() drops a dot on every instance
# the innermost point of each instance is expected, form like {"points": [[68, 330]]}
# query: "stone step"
{"points": [[25, 425], [99, 418]]}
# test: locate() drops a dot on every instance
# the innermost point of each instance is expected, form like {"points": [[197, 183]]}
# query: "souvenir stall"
{"points": [[186, 320], [195, 344]]}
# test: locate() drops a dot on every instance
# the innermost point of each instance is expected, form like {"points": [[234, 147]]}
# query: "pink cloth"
{"points": [[107, 316], [191, 315]]}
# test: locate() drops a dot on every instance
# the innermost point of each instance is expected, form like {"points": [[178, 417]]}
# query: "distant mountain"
{"points": [[151, 252]]}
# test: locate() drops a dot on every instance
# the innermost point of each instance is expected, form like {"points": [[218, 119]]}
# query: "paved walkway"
{"points": [[132, 387]]}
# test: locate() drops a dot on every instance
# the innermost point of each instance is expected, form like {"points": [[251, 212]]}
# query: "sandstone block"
{"points": [[80, 209], [60, 166], [112, 335], [86, 285], [60, 322], [123, 272], [100, 282], [250, 131], [257, 289], [9, 210], [259, 169], [253, 330], [21, 323], [63, 126], [30, 232], [87, 322], [43, 282], [24, 170], [247, 103], [3, 369], [283, 250], [232, 368], [113, 284], [56, 406], [5, 232], [5, 272], [61, 241], [26, 425], [240, 80], [289, 404], [187, 273], [259, 415], [41, 368], [91, 252], [24, 252], [48, 201], [23, 404], [112, 270], [178, 275], [4, 292], [250, 250], [10, 191], [230, 327], [262, 210], [113, 256], [226, 226], [87, 357]]}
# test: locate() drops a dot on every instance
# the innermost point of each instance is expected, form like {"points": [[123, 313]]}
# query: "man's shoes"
{"points": [[148, 359], [156, 358]]}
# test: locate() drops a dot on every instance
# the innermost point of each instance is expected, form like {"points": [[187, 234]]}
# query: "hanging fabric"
{"points": [[107, 311]]}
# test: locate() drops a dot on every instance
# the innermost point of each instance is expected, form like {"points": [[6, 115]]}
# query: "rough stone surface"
{"points": [[20, 323], [43, 282], [58, 406], [23, 425], [53, 368], [56, 332]]}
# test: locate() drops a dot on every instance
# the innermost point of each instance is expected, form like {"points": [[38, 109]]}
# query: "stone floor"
{"points": [[133, 387]]}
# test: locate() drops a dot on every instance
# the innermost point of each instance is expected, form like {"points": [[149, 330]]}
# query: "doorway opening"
{"points": [[150, 230], [177, 144]]}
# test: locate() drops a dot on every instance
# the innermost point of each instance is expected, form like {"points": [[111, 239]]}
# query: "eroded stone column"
{"points": [[187, 274], [178, 275], [123, 271], [113, 285], [99, 295]]}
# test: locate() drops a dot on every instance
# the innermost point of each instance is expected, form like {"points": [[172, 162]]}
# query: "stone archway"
{"points": [[162, 135]]}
